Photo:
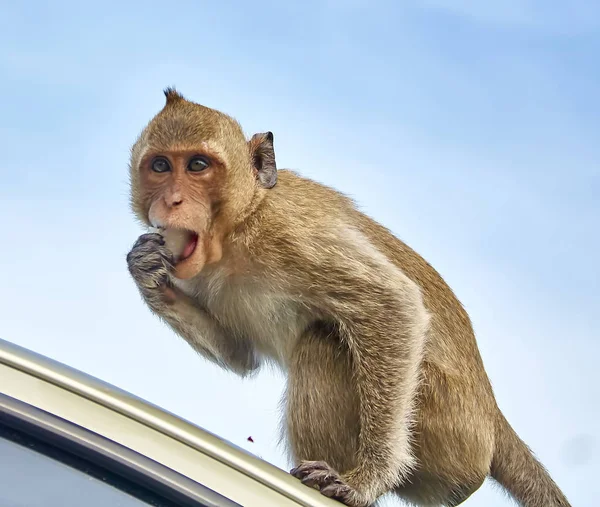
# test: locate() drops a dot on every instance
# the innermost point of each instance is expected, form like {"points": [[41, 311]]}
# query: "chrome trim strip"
{"points": [[144, 412], [113, 456]]}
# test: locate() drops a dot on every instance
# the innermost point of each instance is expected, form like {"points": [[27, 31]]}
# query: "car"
{"points": [[68, 439]]}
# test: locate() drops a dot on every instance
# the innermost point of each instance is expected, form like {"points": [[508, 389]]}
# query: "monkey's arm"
{"points": [[207, 337], [381, 317], [150, 265]]}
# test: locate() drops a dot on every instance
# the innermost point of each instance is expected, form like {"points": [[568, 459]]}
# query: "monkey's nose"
{"points": [[174, 200]]}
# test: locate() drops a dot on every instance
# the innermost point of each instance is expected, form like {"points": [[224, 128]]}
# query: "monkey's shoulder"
{"points": [[304, 205], [299, 213], [303, 191]]}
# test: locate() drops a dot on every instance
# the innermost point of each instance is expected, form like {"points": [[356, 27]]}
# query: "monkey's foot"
{"points": [[319, 475]]}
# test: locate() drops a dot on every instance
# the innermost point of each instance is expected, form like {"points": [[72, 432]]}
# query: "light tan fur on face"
{"points": [[386, 390]]}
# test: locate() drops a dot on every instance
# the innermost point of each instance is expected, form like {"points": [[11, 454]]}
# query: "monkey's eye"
{"points": [[197, 164], [160, 165]]}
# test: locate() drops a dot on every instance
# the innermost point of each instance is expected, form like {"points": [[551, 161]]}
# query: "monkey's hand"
{"points": [[150, 264], [329, 482]]}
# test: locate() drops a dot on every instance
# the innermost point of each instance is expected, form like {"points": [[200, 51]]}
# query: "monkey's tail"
{"points": [[516, 469]]}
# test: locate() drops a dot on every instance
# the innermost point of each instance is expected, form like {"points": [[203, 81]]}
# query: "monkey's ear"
{"points": [[263, 159]]}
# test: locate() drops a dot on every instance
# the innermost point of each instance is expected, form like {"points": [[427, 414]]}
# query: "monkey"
{"points": [[386, 391]]}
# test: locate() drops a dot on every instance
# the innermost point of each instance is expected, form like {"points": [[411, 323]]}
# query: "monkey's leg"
{"points": [[322, 416], [453, 439], [460, 496], [426, 490]]}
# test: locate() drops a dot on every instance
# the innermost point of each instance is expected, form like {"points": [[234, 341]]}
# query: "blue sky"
{"points": [[470, 129]]}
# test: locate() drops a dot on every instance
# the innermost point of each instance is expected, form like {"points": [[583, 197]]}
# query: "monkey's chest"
{"points": [[255, 312]]}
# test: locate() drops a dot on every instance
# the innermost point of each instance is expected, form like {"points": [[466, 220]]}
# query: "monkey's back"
{"points": [[452, 345]]}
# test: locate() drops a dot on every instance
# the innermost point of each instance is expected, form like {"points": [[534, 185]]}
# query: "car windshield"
{"points": [[29, 478]]}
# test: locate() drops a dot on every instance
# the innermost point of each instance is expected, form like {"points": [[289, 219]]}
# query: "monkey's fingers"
{"points": [[345, 494], [319, 475], [151, 236], [321, 478], [306, 467]]}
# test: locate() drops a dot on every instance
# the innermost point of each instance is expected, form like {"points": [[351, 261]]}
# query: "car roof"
{"points": [[163, 421]]}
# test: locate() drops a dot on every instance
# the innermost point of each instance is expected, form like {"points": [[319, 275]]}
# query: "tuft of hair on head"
{"points": [[172, 95]]}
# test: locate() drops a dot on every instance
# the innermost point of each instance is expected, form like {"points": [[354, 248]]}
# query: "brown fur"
{"points": [[386, 388]]}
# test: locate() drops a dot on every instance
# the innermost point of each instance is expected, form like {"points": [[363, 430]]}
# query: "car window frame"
{"points": [[128, 470], [140, 425]]}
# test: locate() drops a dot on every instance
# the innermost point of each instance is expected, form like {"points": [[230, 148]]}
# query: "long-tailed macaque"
{"points": [[386, 388]]}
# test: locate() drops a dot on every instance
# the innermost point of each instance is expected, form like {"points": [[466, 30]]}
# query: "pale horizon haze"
{"points": [[470, 129]]}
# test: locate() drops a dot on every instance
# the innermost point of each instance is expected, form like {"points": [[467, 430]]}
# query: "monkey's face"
{"points": [[182, 195], [193, 175]]}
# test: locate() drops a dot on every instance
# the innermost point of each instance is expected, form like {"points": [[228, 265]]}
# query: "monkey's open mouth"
{"points": [[181, 242], [189, 247]]}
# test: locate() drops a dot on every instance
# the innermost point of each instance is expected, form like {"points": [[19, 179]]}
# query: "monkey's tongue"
{"points": [[189, 247], [181, 242]]}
